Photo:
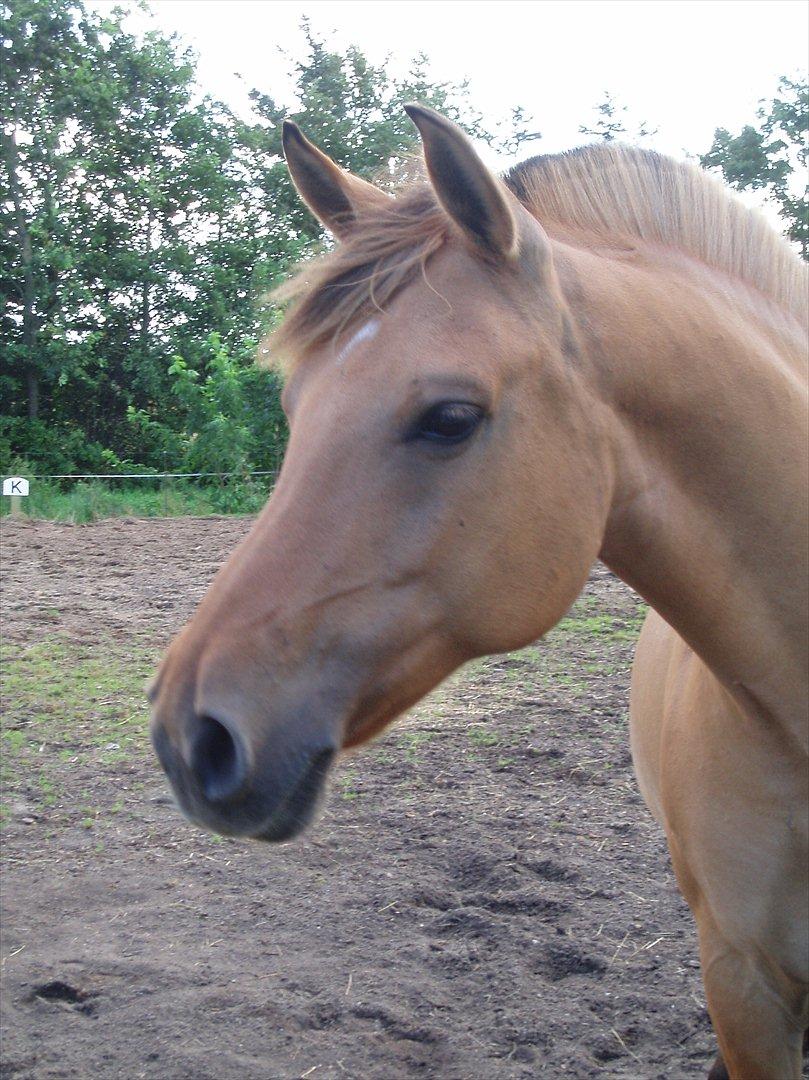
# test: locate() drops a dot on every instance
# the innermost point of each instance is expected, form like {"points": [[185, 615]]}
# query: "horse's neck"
{"points": [[703, 399]]}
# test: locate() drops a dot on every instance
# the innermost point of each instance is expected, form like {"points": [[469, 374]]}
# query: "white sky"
{"points": [[684, 66]]}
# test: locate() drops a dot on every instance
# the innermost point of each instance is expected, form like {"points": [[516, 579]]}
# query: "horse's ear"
{"points": [[472, 195], [334, 196]]}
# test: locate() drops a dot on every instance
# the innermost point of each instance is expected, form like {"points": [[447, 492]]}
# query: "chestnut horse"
{"points": [[490, 384]]}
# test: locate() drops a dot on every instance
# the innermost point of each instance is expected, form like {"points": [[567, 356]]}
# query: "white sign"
{"points": [[15, 485]]}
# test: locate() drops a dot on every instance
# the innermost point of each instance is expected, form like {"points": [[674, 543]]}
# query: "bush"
{"points": [[240, 495], [98, 499], [51, 448]]}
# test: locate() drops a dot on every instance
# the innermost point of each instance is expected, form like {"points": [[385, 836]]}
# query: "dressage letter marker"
{"points": [[15, 487]]}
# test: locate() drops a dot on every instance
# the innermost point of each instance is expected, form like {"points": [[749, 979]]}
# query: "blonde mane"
{"points": [[606, 190], [621, 191]]}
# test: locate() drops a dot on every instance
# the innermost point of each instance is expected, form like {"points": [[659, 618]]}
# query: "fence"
{"points": [[18, 488], [144, 476]]}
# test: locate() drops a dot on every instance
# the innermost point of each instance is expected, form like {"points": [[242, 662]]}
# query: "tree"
{"points": [[142, 224], [354, 111], [35, 116], [99, 137], [610, 125], [772, 156]]}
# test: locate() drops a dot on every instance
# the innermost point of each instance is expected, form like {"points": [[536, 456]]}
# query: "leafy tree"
{"points": [[36, 251], [354, 111], [98, 138], [233, 416], [141, 226], [772, 156], [609, 124]]}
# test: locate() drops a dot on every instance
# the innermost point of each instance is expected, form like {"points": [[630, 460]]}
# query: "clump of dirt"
{"points": [[485, 895]]}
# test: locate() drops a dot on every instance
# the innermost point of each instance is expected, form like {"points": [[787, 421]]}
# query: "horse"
{"points": [[491, 382]]}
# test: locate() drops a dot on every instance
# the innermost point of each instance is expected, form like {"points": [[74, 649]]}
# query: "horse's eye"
{"points": [[448, 422]]}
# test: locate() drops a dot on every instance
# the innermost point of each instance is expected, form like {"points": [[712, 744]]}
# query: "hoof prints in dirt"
{"points": [[564, 960], [527, 903], [484, 897], [61, 993], [465, 922], [399, 1029], [550, 870]]}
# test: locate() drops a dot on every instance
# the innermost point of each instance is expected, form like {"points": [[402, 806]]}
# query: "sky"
{"points": [[683, 66]]}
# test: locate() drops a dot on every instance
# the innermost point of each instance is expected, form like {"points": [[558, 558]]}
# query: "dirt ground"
{"points": [[485, 895]]}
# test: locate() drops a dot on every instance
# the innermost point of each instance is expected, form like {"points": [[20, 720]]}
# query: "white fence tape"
{"points": [[142, 476]]}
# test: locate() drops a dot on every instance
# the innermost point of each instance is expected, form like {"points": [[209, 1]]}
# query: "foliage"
{"points": [[94, 500], [54, 447], [609, 123], [68, 704], [142, 224], [354, 112], [772, 156]]}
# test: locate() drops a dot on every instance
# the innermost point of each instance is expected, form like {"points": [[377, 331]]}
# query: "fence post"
{"points": [[16, 487]]}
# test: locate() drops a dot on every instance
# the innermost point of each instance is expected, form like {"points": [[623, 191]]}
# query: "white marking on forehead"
{"points": [[366, 332]]}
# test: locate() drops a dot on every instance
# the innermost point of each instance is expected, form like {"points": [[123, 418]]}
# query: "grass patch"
{"points": [[94, 500], [580, 622], [599, 642], [347, 785], [483, 737], [413, 740], [66, 704]]}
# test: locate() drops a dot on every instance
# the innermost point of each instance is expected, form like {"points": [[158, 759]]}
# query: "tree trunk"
{"points": [[30, 322], [32, 383], [146, 298]]}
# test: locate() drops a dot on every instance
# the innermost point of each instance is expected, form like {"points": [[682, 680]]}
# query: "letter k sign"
{"points": [[15, 485]]}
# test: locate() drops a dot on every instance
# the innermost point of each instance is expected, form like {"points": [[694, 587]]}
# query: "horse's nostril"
{"points": [[217, 760]]}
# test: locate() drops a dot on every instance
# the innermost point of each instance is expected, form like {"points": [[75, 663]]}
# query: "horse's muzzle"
{"points": [[223, 785]]}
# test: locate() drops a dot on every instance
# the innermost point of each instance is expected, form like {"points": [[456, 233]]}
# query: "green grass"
{"points": [[412, 740], [93, 500], [74, 709], [579, 622], [65, 705], [540, 665], [482, 737], [346, 784]]}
